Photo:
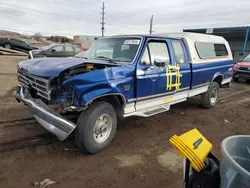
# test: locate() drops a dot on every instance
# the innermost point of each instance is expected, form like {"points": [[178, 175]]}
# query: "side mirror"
{"points": [[52, 50], [159, 63], [153, 70], [240, 60]]}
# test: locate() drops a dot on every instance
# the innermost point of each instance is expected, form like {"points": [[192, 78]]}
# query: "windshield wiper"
{"points": [[106, 58]]}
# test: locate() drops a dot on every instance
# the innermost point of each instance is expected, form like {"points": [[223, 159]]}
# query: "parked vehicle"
{"points": [[16, 44], [142, 76], [55, 50], [241, 70]]}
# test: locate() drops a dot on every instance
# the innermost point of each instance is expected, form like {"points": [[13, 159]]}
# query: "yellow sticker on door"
{"points": [[171, 72]]}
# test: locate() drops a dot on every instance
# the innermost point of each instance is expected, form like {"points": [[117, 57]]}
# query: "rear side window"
{"points": [[58, 48], [69, 49], [211, 50], [77, 49], [179, 52]]}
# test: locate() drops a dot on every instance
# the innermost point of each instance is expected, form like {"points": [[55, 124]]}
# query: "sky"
{"points": [[82, 17]]}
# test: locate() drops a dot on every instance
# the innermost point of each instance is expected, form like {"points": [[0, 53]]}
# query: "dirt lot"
{"points": [[140, 155]]}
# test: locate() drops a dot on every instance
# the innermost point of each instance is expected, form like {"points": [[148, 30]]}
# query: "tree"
{"points": [[37, 36]]}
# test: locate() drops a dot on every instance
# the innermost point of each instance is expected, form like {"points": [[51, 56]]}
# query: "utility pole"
{"points": [[69, 29], [102, 18], [151, 25]]}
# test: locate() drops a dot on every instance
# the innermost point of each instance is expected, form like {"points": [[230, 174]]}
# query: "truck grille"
{"points": [[244, 68], [40, 85], [244, 75]]}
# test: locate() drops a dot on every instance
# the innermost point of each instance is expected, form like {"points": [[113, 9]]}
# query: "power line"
{"points": [[102, 18]]}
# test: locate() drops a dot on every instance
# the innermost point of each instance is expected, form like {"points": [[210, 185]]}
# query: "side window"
{"points": [[158, 52], [145, 60], [211, 50], [58, 48], [77, 49], [179, 52], [69, 49], [14, 40]]}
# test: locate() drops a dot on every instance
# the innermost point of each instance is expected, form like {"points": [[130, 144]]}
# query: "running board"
{"points": [[150, 111]]}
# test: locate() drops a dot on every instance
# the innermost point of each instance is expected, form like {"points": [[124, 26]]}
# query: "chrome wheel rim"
{"points": [[214, 96], [102, 128], [8, 46]]}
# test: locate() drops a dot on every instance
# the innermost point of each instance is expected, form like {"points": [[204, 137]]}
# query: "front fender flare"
{"points": [[89, 97]]}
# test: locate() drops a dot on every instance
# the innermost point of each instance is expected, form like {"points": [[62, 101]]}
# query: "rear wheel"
{"points": [[7, 45], [210, 98], [96, 127]]}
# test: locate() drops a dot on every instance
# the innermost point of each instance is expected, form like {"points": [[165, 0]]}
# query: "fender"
{"points": [[217, 75], [94, 93]]}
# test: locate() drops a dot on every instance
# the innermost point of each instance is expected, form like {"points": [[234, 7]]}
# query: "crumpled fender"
{"points": [[95, 84], [93, 93]]}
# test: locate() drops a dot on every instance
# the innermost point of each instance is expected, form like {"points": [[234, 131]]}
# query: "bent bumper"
{"points": [[48, 118]]}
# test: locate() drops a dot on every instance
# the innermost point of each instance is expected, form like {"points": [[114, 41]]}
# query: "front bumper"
{"points": [[48, 118], [242, 74]]}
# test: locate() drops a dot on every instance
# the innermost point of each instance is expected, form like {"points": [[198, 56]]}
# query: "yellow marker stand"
{"points": [[188, 150], [196, 165], [193, 146], [171, 72]]}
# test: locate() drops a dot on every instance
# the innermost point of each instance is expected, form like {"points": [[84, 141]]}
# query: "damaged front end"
{"points": [[48, 118], [50, 100]]}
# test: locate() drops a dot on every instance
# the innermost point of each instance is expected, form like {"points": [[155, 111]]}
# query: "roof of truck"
{"points": [[191, 36]]}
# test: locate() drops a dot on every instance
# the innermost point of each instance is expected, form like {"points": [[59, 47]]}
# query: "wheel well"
{"points": [[116, 101], [218, 79]]}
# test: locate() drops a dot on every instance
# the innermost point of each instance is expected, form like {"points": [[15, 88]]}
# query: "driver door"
{"points": [[151, 73]]}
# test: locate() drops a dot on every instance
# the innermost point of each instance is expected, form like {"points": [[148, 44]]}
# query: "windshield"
{"points": [[247, 59], [26, 42], [116, 49]]}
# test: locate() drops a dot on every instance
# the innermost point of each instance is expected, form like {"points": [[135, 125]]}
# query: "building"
{"points": [[85, 41], [237, 38]]}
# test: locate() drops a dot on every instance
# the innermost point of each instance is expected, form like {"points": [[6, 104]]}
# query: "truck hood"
{"points": [[52, 67], [243, 64]]}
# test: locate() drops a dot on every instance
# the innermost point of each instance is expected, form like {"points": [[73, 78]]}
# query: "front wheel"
{"points": [[7, 45], [210, 98], [96, 127]]}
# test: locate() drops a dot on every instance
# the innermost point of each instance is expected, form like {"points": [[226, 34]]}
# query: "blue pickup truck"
{"points": [[122, 76]]}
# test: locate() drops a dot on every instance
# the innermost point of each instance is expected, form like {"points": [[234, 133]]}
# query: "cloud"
{"points": [[74, 17]]}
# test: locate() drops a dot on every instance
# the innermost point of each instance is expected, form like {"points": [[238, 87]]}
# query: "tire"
{"points": [[90, 136], [210, 98], [235, 79], [7, 45]]}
